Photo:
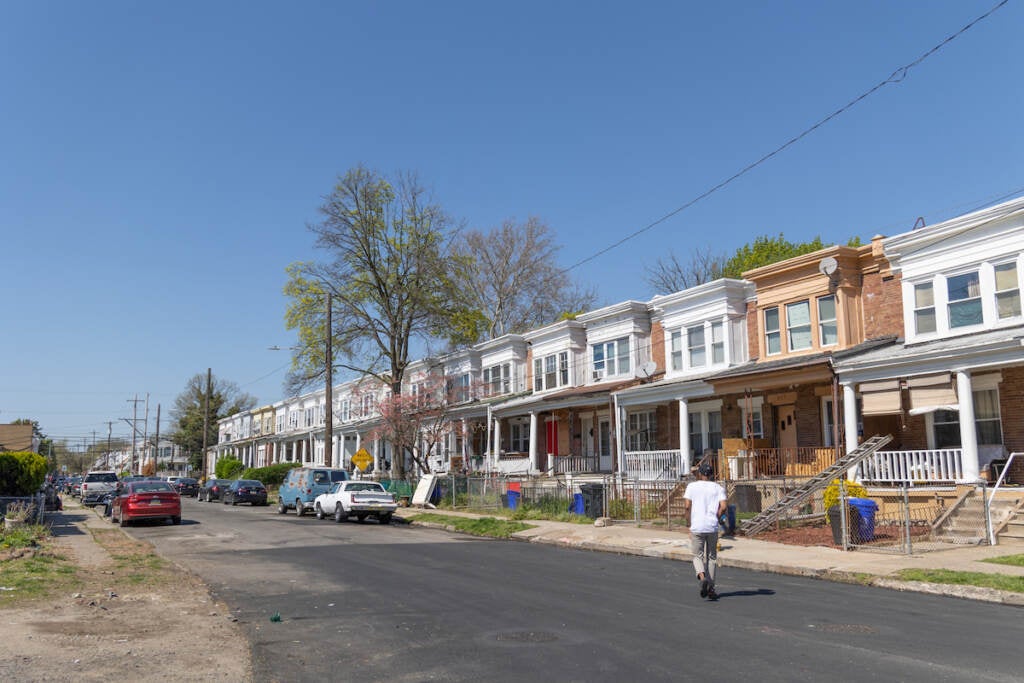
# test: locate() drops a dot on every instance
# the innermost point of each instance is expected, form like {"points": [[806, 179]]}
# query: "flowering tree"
{"points": [[417, 422]]}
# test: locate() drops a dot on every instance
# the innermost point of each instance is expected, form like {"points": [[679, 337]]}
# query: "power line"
{"points": [[896, 76]]}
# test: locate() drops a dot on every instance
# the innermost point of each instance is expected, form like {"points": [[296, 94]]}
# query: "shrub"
{"points": [[831, 496], [272, 475], [22, 473], [228, 468]]}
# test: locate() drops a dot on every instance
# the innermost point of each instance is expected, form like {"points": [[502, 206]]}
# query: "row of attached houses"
{"points": [[918, 336]]}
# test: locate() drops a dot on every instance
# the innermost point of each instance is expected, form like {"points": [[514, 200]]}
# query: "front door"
{"points": [[786, 427], [604, 444]]}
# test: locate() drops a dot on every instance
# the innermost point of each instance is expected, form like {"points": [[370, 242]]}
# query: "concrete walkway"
{"points": [[858, 566]]}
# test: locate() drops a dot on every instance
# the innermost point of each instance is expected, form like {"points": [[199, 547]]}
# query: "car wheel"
{"points": [[361, 518], [339, 513], [122, 521], [234, 502], [281, 509], [384, 519], [319, 511], [175, 520], [299, 510]]}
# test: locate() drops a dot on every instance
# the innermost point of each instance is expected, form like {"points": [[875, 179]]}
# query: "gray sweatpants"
{"points": [[705, 554]]}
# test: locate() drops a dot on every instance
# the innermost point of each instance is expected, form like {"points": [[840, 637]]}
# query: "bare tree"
{"points": [[510, 278], [669, 274]]}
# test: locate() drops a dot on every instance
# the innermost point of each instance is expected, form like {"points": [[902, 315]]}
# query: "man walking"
{"points": [[705, 503]]}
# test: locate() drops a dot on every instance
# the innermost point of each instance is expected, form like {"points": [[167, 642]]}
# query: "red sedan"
{"points": [[146, 500]]}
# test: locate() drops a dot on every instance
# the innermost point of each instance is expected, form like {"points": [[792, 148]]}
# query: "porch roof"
{"points": [[992, 348], [567, 398]]}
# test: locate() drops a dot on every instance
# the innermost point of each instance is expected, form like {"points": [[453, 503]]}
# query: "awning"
{"points": [[931, 393], [881, 398]]}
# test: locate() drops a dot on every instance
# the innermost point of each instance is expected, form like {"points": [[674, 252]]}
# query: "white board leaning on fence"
{"points": [[423, 489]]}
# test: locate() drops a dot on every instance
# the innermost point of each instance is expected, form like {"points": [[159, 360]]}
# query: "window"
{"points": [[752, 424], [695, 346], [696, 434], [717, 343], [293, 419], [827, 423], [1007, 291], [323, 413], [964, 299], [924, 308], [519, 437], [772, 332], [496, 379], [345, 410], [366, 405], [280, 423], [828, 330], [987, 424], [548, 370], [461, 391], [798, 325], [611, 358], [715, 430], [677, 350], [642, 432], [308, 418]]}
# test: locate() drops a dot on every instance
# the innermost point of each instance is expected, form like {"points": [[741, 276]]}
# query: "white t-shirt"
{"points": [[704, 497]]}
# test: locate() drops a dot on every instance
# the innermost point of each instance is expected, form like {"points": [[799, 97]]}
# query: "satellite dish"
{"points": [[646, 370], [827, 266]]}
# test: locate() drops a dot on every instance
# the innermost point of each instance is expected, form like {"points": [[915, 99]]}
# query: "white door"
{"points": [[604, 444]]}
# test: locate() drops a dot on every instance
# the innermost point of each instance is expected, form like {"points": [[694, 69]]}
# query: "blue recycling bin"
{"points": [[728, 521], [513, 500], [866, 519], [576, 507]]}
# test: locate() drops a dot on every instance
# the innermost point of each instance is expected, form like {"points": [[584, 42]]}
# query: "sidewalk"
{"points": [[859, 566]]}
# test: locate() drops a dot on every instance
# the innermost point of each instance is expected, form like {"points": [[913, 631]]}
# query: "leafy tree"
{"points": [[21, 473], [765, 250], [387, 249], [226, 398], [508, 281]]}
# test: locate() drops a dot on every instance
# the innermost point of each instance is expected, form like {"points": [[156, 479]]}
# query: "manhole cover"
{"points": [[527, 637]]}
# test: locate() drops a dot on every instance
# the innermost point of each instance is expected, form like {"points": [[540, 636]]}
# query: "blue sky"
{"points": [[159, 162]]}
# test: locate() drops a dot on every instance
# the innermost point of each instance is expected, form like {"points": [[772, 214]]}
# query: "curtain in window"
{"points": [[931, 393], [881, 398]]}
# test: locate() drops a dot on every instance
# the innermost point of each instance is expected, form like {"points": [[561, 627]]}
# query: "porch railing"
{"points": [[937, 466], [796, 461], [652, 465], [513, 463], [574, 464]]}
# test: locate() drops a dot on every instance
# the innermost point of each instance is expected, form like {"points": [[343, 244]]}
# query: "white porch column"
{"points": [[968, 431], [850, 425], [534, 463], [497, 440], [685, 459], [376, 453]]}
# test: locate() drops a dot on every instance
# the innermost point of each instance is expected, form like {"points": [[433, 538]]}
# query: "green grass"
{"points": [[42, 573], [482, 526], [1011, 560], [1003, 582]]}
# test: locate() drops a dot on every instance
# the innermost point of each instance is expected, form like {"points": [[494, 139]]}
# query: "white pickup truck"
{"points": [[360, 499]]}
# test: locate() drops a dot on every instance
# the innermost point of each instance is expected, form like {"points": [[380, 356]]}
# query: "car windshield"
{"points": [[101, 476], [366, 486], [150, 486]]}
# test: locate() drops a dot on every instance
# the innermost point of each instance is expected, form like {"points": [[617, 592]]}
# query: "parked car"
{"points": [[303, 484], [213, 489], [73, 486], [149, 499], [245, 491], [360, 499], [185, 486], [95, 485]]}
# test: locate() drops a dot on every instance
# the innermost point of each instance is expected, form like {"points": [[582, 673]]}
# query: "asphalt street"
{"points": [[365, 602]]}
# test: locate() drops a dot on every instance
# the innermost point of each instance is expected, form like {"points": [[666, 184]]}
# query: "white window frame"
{"points": [[919, 310], [676, 349], [696, 349], [1015, 291], [775, 332], [823, 322], [641, 426], [790, 328], [611, 358]]}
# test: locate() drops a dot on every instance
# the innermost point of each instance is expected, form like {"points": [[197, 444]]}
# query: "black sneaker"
{"points": [[705, 588], [712, 595]]}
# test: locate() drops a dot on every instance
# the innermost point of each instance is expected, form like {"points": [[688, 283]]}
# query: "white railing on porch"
{"points": [[937, 466], [574, 464], [652, 465], [513, 463]]}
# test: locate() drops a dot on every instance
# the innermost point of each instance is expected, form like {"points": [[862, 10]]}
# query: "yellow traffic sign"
{"points": [[362, 459]]}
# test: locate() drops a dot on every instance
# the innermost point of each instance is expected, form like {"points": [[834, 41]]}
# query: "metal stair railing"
{"points": [[815, 483], [992, 495]]}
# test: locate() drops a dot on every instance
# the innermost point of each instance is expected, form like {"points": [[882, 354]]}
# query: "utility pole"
{"points": [[106, 458], [135, 418], [329, 394], [156, 440], [145, 437], [206, 416]]}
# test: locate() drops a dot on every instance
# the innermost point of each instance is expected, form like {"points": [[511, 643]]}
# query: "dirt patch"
{"points": [[132, 616], [820, 534]]}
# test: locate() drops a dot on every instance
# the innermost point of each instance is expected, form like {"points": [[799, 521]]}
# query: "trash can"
{"points": [[513, 500], [593, 500], [865, 529], [576, 507], [852, 523], [728, 521]]}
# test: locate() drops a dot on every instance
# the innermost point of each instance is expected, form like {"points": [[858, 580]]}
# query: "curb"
{"points": [[976, 593]]}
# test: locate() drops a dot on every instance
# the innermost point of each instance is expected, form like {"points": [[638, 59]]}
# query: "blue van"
{"points": [[303, 484]]}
